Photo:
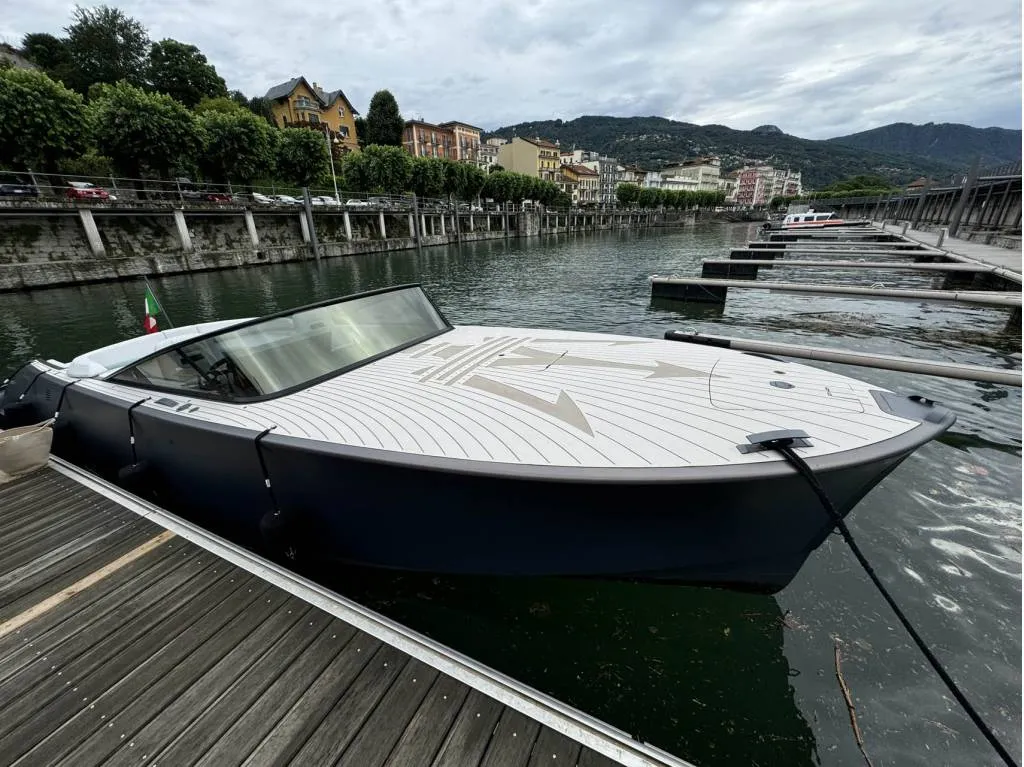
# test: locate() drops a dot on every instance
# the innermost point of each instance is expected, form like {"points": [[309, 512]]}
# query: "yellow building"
{"points": [[532, 157], [581, 183], [299, 103]]}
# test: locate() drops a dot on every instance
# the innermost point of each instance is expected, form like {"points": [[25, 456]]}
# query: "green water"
{"points": [[715, 677]]}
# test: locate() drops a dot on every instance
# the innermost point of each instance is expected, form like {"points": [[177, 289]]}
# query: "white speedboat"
{"points": [[369, 430]]}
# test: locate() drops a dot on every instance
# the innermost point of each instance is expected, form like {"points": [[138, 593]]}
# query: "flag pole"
{"points": [[158, 301]]}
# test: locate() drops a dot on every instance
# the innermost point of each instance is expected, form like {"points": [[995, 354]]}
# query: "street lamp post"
{"points": [[330, 154]]}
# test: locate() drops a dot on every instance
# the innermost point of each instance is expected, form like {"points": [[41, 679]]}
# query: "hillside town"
{"points": [[586, 177]]}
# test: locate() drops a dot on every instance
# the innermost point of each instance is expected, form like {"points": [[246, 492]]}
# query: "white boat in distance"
{"points": [[369, 430], [812, 220]]}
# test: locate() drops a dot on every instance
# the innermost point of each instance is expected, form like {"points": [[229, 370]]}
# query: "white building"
{"points": [[487, 155], [702, 173]]}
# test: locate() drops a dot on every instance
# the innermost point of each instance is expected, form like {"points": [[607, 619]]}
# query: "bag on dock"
{"points": [[24, 449]]}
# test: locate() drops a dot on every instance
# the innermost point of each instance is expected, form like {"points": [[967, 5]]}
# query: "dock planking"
{"points": [[130, 637]]}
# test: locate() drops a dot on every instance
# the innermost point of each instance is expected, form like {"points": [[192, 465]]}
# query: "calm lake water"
{"points": [[715, 677]]}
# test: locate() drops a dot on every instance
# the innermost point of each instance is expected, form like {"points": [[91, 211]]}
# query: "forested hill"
{"points": [[655, 141], [946, 142]]}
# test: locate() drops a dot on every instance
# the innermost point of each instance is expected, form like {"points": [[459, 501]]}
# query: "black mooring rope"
{"points": [[783, 447]]}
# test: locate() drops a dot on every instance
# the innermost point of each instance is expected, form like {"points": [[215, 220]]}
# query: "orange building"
{"points": [[423, 139], [449, 140]]}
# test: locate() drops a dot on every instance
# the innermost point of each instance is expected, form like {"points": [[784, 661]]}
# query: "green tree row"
{"points": [[391, 170], [135, 133], [646, 197]]}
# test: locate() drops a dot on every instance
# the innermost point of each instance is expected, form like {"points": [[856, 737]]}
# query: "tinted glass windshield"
{"points": [[284, 353]]}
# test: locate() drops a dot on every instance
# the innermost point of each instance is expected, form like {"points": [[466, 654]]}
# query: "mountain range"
{"points": [[899, 152]]}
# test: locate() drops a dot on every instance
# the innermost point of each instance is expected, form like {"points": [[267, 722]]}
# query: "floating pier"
{"points": [[987, 266], [724, 267], [713, 291], [129, 636], [974, 274]]}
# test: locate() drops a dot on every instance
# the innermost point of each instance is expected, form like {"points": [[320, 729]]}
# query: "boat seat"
{"points": [[110, 358]]}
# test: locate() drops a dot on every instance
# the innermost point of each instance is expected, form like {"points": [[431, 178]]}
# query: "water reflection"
{"points": [[699, 672]]}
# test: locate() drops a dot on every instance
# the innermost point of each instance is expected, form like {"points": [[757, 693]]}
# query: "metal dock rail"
{"points": [[129, 636]]}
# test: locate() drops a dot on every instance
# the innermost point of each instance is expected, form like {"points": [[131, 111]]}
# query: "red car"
{"points": [[218, 197], [82, 190]]}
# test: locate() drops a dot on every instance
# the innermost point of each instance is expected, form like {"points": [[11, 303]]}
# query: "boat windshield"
{"points": [[283, 353]]}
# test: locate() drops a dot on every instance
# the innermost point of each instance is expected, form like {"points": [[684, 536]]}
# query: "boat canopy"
{"points": [[284, 352]]}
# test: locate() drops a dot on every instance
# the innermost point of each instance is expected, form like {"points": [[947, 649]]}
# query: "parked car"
{"points": [[83, 190], [324, 199], [217, 197], [18, 188], [357, 204], [262, 199], [285, 199]]}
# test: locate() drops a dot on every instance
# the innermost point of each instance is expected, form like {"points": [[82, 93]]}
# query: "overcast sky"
{"points": [[815, 69]]}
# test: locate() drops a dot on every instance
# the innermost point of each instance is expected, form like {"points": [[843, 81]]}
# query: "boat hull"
{"points": [[717, 526]]}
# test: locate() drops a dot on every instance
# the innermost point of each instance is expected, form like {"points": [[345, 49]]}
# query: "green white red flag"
{"points": [[152, 309]]}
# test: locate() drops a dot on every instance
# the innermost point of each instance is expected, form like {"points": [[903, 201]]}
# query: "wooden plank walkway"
{"points": [[128, 636]]}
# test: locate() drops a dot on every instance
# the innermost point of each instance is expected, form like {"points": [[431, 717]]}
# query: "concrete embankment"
{"points": [[49, 245]]}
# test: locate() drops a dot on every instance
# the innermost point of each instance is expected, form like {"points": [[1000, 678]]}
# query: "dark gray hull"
{"points": [[726, 526]]}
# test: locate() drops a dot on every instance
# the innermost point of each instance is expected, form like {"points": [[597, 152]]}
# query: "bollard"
{"points": [[942, 236], [906, 225]]}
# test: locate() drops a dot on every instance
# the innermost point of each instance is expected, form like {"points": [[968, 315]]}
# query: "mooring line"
{"points": [[783, 447]]}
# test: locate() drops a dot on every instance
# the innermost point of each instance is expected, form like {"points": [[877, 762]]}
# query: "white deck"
{"points": [[557, 398]]}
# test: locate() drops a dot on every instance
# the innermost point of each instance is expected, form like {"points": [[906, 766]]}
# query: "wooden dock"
{"points": [[129, 636]]}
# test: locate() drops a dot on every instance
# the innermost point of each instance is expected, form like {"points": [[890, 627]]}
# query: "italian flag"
{"points": [[152, 309]]}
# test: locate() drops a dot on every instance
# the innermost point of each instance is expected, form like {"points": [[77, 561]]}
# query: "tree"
{"points": [[562, 200], [302, 156], [105, 46], [548, 193], [360, 123], [427, 177], [647, 197], [495, 167], [384, 123], [43, 122], [221, 104], [378, 169], [143, 132], [260, 107], [498, 186], [869, 181], [182, 72], [239, 98], [48, 52], [237, 146], [473, 182], [627, 194], [88, 164]]}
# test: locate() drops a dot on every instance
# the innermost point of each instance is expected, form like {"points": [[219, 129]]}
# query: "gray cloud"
{"points": [[814, 70]]}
